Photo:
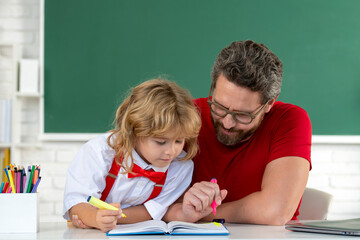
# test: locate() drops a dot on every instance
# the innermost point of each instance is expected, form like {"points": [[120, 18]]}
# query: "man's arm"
{"points": [[283, 184]]}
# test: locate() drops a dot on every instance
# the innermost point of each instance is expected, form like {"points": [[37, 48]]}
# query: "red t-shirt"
{"points": [[284, 131]]}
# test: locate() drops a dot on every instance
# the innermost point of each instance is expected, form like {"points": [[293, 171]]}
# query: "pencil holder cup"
{"points": [[19, 213]]}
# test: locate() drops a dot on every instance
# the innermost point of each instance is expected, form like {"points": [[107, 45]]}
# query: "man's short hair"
{"points": [[252, 65]]}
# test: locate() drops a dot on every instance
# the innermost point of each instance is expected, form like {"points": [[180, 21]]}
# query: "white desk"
{"points": [[62, 230]]}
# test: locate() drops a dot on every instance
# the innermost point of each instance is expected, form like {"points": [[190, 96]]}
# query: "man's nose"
{"points": [[228, 121]]}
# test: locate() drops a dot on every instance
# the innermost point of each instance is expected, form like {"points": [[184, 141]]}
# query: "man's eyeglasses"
{"points": [[241, 117]]}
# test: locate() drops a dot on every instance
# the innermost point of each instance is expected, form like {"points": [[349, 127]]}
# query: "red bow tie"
{"points": [[156, 177]]}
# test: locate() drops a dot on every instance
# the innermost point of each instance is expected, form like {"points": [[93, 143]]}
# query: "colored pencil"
{"points": [[30, 180], [36, 185], [5, 187]]}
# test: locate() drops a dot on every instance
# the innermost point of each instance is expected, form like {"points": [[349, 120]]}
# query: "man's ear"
{"points": [[270, 105]]}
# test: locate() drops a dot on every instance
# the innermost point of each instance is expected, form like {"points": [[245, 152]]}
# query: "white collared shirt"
{"points": [[87, 172]]}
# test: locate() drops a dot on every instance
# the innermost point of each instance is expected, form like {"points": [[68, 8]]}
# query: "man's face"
{"points": [[235, 98]]}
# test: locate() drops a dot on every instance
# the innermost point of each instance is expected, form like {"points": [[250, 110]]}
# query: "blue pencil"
{"points": [[7, 174], [2, 186], [36, 185]]}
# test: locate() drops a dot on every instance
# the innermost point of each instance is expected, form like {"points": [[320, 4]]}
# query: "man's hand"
{"points": [[197, 200]]}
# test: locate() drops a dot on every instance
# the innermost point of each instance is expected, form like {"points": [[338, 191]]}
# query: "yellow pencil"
{"points": [[10, 180], [102, 205]]}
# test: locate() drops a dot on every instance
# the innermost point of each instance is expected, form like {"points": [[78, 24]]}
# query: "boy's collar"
{"points": [[141, 163]]}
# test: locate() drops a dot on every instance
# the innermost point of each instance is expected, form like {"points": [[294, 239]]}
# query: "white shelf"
{"points": [[12, 57], [5, 145], [28, 95], [17, 100]]}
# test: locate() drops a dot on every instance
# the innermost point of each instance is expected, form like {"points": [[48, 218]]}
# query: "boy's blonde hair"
{"points": [[154, 108]]}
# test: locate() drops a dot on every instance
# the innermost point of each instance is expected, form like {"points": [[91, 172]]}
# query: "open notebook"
{"points": [[172, 228], [350, 227]]}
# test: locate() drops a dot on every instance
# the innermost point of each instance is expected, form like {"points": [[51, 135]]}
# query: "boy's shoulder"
{"points": [[99, 144]]}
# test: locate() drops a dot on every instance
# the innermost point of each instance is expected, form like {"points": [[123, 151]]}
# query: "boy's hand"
{"points": [[106, 219], [78, 223]]}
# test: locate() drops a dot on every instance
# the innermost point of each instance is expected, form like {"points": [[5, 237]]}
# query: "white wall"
{"points": [[336, 167]]}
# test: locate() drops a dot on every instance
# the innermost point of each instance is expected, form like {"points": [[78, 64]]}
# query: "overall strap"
{"points": [[110, 178], [157, 188]]}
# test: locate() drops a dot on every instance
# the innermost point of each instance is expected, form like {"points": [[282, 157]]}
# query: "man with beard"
{"points": [[257, 148]]}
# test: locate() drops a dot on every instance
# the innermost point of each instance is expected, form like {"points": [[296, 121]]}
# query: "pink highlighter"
{"points": [[213, 204]]}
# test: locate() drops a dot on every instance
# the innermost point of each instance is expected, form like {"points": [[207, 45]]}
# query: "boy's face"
{"points": [[159, 151]]}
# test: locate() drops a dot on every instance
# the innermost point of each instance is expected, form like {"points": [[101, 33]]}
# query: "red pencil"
{"points": [[5, 187]]}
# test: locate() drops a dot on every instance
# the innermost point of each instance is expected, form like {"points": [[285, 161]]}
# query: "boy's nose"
{"points": [[171, 150]]}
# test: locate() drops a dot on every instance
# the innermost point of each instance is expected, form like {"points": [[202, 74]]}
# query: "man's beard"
{"points": [[234, 139]]}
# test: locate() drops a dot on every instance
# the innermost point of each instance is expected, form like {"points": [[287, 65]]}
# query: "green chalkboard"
{"points": [[96, 50]]}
